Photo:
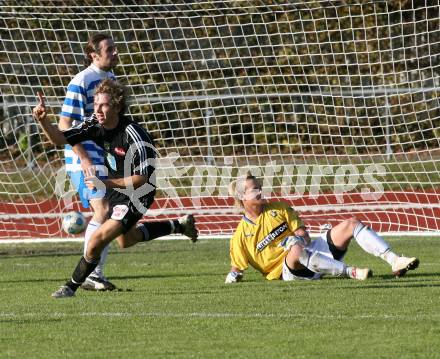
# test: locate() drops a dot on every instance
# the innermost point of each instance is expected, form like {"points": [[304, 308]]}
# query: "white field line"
{"points": [[394, 235], [231, 211], [411, 317], [430, 264], [81, 239]]}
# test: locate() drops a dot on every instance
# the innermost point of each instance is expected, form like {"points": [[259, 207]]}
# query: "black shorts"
{"points": [[124, 210]]}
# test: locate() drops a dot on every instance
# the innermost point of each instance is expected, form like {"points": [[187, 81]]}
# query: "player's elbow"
{"points": [[58, 140], [65, 123], [55, 136], [139, 180]]}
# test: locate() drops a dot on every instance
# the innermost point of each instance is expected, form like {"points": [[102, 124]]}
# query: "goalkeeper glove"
{"points": [[233, 277], [290, 241]]}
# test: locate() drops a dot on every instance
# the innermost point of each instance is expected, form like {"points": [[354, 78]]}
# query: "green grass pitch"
{"points": [[173, 303]]}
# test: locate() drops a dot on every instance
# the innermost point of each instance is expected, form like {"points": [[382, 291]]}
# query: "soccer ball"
{"points": [[74, 223]]}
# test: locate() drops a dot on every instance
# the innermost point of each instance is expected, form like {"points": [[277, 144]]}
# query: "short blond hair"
{"points": [[115, 90], [237, 188]]}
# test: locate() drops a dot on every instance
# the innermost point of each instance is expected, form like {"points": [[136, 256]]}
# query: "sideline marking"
{"points": [[393, 236], [221, 315]]}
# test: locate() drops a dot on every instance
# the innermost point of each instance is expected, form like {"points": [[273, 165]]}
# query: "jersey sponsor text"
{"points": [[274, 234]]}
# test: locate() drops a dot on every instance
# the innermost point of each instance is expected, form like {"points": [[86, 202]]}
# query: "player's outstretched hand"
{"points": [[233, 277], [39, 111]]}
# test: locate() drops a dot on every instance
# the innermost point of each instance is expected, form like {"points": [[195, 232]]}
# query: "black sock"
{"points": [[81, 272], [152, 230], [304, 272]]}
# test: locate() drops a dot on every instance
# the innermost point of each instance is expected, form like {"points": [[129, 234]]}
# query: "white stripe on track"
{"points": [[307, 316]]}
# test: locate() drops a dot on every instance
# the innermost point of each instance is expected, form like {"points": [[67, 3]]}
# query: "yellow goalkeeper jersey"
{"points": [[256, 244]]}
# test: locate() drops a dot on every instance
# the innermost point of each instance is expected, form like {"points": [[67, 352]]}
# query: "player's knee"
{"points": [[101, 214], [122, 243], [101, 210], [350, 224], [96, 245], [129, 239], [293, 257]]}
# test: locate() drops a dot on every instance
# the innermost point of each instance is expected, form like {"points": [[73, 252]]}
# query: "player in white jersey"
{"points": [[272, 238], [101, 56]]}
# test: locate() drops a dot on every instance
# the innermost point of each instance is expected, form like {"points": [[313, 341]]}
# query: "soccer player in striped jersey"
{"points": [[129, 156], [101, 57], [272, 238]]}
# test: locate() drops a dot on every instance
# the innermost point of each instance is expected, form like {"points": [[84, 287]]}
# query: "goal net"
{"points": [[334, 104]]}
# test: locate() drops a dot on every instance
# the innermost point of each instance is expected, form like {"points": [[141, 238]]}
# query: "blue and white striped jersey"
{"points": [[78, 102], [77, 105]]}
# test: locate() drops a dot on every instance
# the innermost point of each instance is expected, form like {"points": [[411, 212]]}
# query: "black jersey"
{"points": [[127, 139]]}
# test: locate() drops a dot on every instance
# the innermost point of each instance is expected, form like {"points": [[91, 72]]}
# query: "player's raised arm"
{"points": [[40, 115]]}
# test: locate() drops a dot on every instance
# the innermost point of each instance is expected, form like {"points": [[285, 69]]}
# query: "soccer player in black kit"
{"points": [[129, 157]]}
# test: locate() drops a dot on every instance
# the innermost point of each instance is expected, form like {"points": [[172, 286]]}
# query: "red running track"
{"points": [[415, 211]]}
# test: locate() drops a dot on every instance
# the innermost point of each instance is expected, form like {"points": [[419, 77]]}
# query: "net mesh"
{"points": [[333, 103]]}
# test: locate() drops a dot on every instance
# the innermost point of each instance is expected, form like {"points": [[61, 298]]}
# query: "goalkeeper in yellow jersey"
{"points": [[272, 238]]}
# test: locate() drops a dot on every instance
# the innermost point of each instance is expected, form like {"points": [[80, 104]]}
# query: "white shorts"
{"points": [[317, 245]]}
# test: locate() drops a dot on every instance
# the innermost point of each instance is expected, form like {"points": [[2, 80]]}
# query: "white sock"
{"points": [[350, 272], [373, 244], [91, 228], [320, 263], [389, 256]]}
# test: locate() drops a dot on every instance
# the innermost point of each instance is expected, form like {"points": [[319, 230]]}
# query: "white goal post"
{"points": [[335, 104]]}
